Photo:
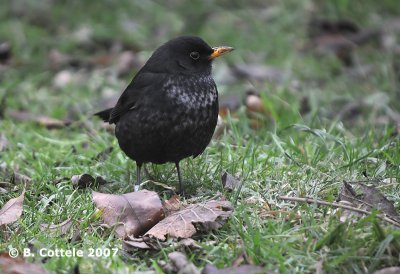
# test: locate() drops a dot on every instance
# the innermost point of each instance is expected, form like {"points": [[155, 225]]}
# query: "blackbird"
{"points": [[169, 110]]}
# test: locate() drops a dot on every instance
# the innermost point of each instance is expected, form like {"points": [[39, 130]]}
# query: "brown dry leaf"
{"points": [[15, 177], [12, 210], [133, 213], [48, 122], [243, 269], [186, 222], [132, 244], [388, 270], [59, 229], [171, 205], [179, 264], [189, 243], [229, 182], [19, 178], [10, 265], [368, 198]]}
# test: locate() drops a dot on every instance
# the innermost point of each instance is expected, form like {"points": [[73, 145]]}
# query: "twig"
{"points": [[320, 202]]}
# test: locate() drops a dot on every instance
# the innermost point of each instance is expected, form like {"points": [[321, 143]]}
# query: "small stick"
{"points": [[320, 202]]}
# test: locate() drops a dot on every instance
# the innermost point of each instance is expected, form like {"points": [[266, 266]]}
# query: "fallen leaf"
{"points": [[243, 269], [368, 198], [59, 229], [194, 218], [86, 180], [178, 263], [18, 178], [18, 265], [48, 122], [132, 244], [388, 270], [229, 182], [14, 177], [172, 204], [189, 243], [132, 213], [12, 210]]}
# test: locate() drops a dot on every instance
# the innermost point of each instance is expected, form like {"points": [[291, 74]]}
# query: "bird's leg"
{"points": [[181, 190], [138, 180]]}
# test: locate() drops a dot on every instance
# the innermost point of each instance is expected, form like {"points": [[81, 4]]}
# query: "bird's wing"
{"points": [[134, 94]]}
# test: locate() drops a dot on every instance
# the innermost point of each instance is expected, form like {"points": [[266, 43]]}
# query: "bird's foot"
{"points": [[182, 193]]}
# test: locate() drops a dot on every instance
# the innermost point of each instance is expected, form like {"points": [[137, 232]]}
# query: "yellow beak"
{"points": [[218, 51]]}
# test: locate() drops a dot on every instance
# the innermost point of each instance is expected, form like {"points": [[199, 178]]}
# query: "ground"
{"points": [[323, 121]]}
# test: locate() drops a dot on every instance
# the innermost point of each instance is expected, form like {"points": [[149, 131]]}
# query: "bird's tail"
{"points": [[104, 114]]}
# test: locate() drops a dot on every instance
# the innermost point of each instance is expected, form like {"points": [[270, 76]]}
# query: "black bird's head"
{"points": [[184, 55]]}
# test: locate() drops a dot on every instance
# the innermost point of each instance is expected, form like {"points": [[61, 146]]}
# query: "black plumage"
{"points": [[169, 111]]}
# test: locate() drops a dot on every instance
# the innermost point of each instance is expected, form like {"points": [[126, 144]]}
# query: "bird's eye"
{"points": [[194, 55]]}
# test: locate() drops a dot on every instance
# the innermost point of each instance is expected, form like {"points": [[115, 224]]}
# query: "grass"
{"points": [[293, 154]]}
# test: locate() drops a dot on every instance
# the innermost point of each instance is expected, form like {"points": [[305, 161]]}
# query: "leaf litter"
{"points": [[18, 265], [131, 213], [367, 198], [179, 263], [229, 182], [358, 204], [206, 216], [144, 221], [57, 229], [12, 210]]}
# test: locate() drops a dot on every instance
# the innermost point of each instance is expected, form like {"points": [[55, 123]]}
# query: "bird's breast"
{"points": [[192, 93]]}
